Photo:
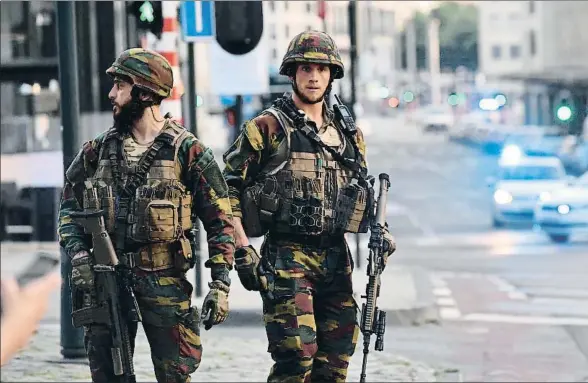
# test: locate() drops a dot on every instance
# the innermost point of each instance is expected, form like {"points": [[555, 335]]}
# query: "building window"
{"points": [[308, 7], [308, 27], [286, 5], [515, 51], [272, 6], [532, 43], [531, 7], [274, 53], [496, 52], [287, 29], [273, 31]]}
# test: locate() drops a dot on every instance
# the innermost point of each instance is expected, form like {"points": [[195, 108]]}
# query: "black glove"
{"points": [[247, 263]]}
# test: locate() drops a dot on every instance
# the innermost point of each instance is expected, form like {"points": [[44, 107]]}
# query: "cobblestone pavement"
{"points": [[230, 354]]}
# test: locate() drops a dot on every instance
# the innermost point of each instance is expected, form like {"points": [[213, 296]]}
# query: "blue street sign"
{"points": [[230, 100], [198, 20]]}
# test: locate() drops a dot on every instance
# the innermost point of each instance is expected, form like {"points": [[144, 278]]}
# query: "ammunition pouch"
{"points": [[259, 204], [351, 208], [88, 315], [303, 213], [159, 214], [99, 196]]}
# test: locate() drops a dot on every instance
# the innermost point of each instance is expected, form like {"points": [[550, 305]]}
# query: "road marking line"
{"points": [[522, 319], [517, 296], [506, 287], [446, 301], [442, 291], [437, 281], [449, 313]]}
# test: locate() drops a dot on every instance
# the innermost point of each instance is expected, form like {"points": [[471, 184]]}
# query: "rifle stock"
{"points": [[115, 301], [373, 321]]}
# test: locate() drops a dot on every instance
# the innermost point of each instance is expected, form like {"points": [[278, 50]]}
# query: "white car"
{"points": [[565, 212], [522, 182], [437, 118]]}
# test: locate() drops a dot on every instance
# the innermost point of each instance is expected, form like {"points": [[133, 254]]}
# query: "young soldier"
{"points": [[298, 176], [150, 176]]}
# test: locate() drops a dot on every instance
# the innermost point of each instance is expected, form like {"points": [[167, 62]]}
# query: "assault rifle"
{"points": [[115, 301], [373, 321]]}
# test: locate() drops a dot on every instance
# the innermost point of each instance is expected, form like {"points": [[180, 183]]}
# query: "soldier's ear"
{"points": [[146, 96]]}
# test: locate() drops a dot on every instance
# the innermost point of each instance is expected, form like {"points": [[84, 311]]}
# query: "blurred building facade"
{"points": [[536, 51], [29, 82], [376, 35]]}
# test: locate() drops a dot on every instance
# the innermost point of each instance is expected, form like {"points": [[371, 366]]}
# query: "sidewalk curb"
{"points": [[424, 311]]}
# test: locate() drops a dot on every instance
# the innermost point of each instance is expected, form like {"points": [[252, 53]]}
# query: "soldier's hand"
{"points": [[247, 265], [215, 307], [241, 239], [82, 273], [389, 245]]}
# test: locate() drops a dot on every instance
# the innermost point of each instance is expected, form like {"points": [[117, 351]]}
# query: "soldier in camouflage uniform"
{"points": [[285, 186], [150, 227]]}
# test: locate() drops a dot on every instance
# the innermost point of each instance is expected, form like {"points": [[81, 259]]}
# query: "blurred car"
{"points": [[436, 118], [521, 182], [543, 141], [565, 212], [466, 126]]}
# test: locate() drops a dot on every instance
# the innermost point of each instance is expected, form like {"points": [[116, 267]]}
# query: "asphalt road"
{"points": [[514, 306]]}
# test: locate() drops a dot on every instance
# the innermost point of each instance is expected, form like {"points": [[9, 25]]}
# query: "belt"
{"points": [[317, 241], [156, 256]]}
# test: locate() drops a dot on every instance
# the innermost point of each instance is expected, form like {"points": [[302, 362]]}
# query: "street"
{"points": [[513, 306]]}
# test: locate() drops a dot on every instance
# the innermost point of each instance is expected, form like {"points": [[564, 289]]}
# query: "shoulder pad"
{"points": [[76, 172], [173, 132], [253, 134]]}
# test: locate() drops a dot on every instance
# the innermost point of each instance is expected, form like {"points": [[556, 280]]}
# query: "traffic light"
{"points": [[239, 25], [149, 16], [564, 111]]}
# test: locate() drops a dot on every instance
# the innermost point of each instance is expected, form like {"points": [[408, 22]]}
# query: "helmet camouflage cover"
{"points": [[313, 47], [147, 69]]}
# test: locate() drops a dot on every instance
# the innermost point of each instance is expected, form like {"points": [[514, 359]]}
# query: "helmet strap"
{"points": [[136, 95]]}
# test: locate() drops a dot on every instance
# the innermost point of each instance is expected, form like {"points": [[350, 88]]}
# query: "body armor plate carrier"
{"points": [[309, 192]]}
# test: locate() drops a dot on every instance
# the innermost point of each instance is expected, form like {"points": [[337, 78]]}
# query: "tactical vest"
{"points": [[157, 214], [303, 190]]}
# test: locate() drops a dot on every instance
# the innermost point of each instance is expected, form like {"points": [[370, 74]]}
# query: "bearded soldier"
{"points": [[152, 178], [298, 175]]}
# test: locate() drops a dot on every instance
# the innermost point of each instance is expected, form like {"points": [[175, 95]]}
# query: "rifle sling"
{"points": [[301, 125]]}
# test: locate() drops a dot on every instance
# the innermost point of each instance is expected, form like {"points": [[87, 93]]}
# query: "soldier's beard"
{"points": [[128, 114], [307, 100]]}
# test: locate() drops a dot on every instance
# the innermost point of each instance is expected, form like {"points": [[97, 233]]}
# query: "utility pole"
{"points": [[434, 60], [353, 99], [238, 115], [193, 120], [411, 54], [72, 339]]}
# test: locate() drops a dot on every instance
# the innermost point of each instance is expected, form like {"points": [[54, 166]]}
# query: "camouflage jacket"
{"points": [[258, 142], [202, 177]]}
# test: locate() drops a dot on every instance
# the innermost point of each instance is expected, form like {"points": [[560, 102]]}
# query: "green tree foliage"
{"points": [[458, 36]]}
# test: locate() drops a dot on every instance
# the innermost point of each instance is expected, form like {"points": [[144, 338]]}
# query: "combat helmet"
{"points": [[147, 69], [313, 47]]}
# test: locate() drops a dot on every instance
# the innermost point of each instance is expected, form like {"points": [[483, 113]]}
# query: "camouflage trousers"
{"points": [[310, 314], [170, 324]]}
